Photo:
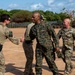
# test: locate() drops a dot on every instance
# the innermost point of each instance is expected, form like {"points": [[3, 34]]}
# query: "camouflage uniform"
{"points": [[44, 48], [27, 45], [68, 36], [4, 34]]}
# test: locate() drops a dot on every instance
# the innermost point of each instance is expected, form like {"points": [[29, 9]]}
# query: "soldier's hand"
{"points": [[57, 49], [59, 54], [22, 39]]}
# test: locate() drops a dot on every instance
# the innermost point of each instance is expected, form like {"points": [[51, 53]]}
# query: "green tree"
{"points": [[4, 12], [14, 11], [57, 17], [63, 15], [49, 15], [22, 16]]}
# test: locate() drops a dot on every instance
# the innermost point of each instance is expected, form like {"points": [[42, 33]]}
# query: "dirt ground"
{"points": [[15, 58]]}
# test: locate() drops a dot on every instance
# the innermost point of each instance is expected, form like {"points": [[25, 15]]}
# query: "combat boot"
{"points": [[57, 74], [72, 66], [32, 73], [25, 73], [38, 73], [66, 73]]}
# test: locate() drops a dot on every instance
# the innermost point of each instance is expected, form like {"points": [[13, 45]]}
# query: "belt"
{"points": [[1, 46], [28, 41]]}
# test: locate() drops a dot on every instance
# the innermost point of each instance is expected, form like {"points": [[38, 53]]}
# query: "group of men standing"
{"points": [[47, 40]]}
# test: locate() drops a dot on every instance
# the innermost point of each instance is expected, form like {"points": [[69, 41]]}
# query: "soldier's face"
{"points": [[35, 18], [66, 23], [7, 21]]}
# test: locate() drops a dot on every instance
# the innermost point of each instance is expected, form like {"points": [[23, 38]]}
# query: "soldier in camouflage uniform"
{"points": [[44, 48], [68, 35], [28, 49], [4, 34]]}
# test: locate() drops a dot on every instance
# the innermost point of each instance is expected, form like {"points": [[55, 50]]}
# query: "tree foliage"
{"points": [[4, 12], [22, 16], [25, 15]]}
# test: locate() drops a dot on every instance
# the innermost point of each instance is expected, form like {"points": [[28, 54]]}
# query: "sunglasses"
{"points": [[8, 19], [33, 17]]}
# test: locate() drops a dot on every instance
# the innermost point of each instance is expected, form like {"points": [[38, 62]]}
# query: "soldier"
{"points": [[44, 48], [28, 49], [68, 35], [4, 34]]}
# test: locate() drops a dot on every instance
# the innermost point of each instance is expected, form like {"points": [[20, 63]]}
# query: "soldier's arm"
{"points": [[10, 36], [32, 33], [74, 34], [56, 41], [14, 40], [59, 34], [54, 37]]}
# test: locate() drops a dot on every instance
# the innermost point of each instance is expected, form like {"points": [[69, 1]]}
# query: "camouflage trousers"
{"points": [[47, 54], [2, 64], [29, 56], [67, 59]]}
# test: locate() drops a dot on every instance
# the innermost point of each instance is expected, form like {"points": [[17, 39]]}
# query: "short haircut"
{"points": [[37, 13], [4, 17]]}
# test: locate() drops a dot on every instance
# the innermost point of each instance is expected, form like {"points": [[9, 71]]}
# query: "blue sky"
{"points": [[51, 5]]}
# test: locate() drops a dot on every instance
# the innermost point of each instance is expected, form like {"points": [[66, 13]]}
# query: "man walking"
{"points": [[44, 48], [68, 35]]}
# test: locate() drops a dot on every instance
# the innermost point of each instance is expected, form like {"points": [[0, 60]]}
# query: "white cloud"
{"points": [[70, 0], [60, 4], [50, 2], [36, 6], [48, 9], [13, 6], [55, 7]]}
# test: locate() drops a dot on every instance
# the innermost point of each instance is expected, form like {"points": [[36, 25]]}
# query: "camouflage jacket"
{"points": [[44, 35], [68, 36], [6, 33]]}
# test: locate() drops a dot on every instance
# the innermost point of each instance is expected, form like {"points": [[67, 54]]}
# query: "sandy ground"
{"points": [[15, 58]]}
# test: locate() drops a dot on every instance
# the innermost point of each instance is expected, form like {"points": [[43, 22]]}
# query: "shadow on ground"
{"points": [[12, 69], [47, 68]]}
